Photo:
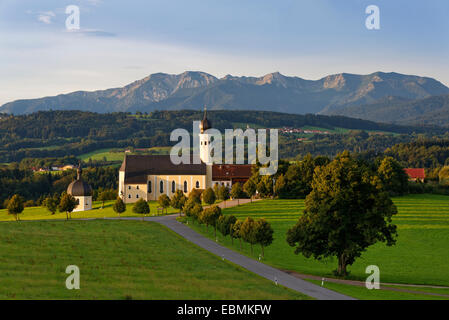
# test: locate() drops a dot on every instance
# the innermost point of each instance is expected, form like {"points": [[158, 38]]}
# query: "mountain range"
{"points": [[347, 94]]}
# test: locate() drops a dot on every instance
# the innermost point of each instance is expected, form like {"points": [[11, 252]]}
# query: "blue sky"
{"points": [[122, 41]]}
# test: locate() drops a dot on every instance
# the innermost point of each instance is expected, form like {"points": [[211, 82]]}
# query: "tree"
{"points": [[225, 223], [209, 196], [192, 208], [178, 200], [237, 192], [443, 176], [164, 201], [223, 193], [265, 186], [15, 206], [196, 195], [347, 211], [195, 212], [250, 188], [67, 204], [119, 206], [393, 176], [247, 232], [103, 196], [280, 186], [263, 234], [141, 207], [51, 203], [235, 231], [210, 216]]}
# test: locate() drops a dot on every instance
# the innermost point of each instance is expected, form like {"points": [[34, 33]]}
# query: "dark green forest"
{"points": [[72, 133]]}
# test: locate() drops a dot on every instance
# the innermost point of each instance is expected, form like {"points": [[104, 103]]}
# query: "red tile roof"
{"points": [[415, 173], [223, 171]]}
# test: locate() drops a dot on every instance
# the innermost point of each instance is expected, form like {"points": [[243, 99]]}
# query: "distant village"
{"points": [[300, 130]]}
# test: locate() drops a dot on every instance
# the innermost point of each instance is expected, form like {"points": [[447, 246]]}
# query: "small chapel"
{"points": [[81, 191]]}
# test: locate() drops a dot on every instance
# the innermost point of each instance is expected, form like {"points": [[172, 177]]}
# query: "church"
{"points": [[149, 176]]}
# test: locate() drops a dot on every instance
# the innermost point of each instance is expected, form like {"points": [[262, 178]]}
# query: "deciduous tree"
{"points": [[209, 196], [68, 204], [119, 206], [263, 233], [347, 211], [15, 206], [164, 201]]}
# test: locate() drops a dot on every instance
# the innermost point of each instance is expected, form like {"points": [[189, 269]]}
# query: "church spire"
{"points": [[205, 123]]}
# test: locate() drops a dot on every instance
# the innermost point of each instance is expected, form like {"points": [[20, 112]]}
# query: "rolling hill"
{"points": [[428, 111]]}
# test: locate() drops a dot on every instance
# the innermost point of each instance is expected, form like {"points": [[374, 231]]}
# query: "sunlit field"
{"points": [[420, 256], [118, 260]]}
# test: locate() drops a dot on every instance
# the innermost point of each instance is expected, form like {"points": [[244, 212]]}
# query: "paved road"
{"points": [[252, 265]]}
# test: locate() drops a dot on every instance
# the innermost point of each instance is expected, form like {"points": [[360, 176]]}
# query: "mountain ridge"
{"points": [[271, 92]]}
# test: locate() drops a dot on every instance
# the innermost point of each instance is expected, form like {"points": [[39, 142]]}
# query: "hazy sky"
{"points": [[122, 41]]}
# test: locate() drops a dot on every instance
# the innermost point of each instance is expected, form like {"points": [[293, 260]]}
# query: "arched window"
{"points": [[185, 186], [173, 187], [129, 196], [161, 187], [197, 185], [149, 187], [129, 187], [137, 196], [137, 187]]}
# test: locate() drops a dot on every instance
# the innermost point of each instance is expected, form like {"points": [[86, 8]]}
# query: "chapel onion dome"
{"points": [[79, 188], [205, 123]]}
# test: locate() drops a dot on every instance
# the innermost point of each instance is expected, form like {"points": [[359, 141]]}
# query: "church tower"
{"points": [[205, 139]]}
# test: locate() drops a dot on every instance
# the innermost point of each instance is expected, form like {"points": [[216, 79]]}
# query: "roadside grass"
{"points": [[420, 256], [41, 213], [363, 293], [119, 260]]}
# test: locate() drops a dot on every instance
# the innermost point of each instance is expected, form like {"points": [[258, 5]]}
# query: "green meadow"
{"points": [[420, 256], [112, 155], [41, 213], [118, 259]]}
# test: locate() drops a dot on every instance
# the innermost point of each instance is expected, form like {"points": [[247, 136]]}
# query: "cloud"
{"points": [[46, 17], [94, 33], [95, 2]]}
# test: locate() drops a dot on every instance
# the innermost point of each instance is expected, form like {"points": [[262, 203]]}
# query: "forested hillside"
{"points": [[68, 133]]}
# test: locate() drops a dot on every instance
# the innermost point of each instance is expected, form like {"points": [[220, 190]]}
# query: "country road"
{"points": [[249, 264]]}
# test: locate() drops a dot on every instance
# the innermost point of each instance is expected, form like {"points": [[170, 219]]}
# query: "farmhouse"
{"points": [[148, 176], [415, 174]]}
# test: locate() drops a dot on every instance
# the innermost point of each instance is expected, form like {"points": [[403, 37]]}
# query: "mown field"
{"points": [[420, 256], [41, 213], [118, 260]]}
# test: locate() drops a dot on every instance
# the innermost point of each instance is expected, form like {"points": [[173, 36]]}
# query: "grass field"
{"points": [[40, 213], [364, 294], [118, 260], [103, 153], [112, 155], [420, 256]]}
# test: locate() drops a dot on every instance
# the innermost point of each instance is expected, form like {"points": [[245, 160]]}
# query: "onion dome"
{"points": [[79, 188]]}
